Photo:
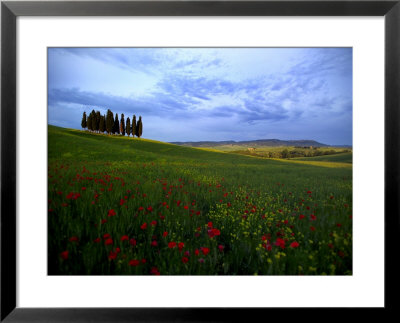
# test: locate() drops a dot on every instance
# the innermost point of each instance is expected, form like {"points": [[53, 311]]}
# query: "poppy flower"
{"points": [[153, 223], [313, 217], [312, 228], [185, 260], [106, 235], [171, 244], [64, 254], [108, 242], [141, 208], [103, 221], [165, 233], [294, 244], [150, 209], [143, 226], [112, 255], [154, 271], [132, 242], [97, 240], [210, 224], [301, 216], [221, 248], [74, 239], [154, 243], [111, 212], [181, 245], [205, 251], [196, 252], [280, 243], [125, 237], [134, 262]]}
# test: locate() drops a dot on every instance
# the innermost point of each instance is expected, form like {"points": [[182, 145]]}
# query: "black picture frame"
{"points": [[10, 10]]}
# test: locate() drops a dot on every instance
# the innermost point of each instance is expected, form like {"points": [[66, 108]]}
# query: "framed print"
{"points": [[194, 160]]}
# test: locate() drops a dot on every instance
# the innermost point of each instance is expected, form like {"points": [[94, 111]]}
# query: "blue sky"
{"points": [[197, 94]]}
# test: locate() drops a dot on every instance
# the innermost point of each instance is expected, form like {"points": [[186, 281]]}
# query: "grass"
{"points": [[124, 206]]}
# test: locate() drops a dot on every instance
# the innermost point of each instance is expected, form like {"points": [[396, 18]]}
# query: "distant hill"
{"points": [[254, 143]]}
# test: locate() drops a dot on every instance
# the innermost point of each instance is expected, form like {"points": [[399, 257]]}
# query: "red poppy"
{"points": [[83, 188], [154, 243], [97, 240], [221, 247], [154, 271], [338, 225], [185, 260], [312, 228], [64, 254], [210, 224], [106, 235], [196, 252], [181, 245], [74, 239], [111, 212], [171, 244], [280, 243], [103, 221], [109, 241], [205, 251], [165, 234], [294, 244], [153, 223], [150, 209], [117, 250], [313, 217], [143, 226], [141, 208], [134, 262], [125, 237], [112, 255], [132, 242]]}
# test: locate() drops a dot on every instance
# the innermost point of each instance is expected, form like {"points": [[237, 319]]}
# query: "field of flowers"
{"points": [[119, 206]]}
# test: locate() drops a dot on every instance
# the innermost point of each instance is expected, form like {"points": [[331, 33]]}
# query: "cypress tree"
{"points": [[139, 127], [109, 121], [116, 124], [133, 129], [102, 124], [93, 120], [122, 125], [97, 121], [89, 122], [84, 120], [128, 126]]}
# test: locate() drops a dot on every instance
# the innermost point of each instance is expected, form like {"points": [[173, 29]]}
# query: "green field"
{"points": [[337, 158], [123, 206]]}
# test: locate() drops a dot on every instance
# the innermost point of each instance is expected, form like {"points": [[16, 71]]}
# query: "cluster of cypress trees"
{"points": [[100, 123]]}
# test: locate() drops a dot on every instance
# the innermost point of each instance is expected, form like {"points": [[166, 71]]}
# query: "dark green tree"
{"points": [[102, 124], [109, 121], [90, 122], [139, 127], [116, 124], [133, 129], [97, 121], [128, 126], [122, 125], [84, 120]]}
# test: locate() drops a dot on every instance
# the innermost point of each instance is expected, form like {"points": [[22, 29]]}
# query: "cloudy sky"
{"points": [[196, 94]]}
